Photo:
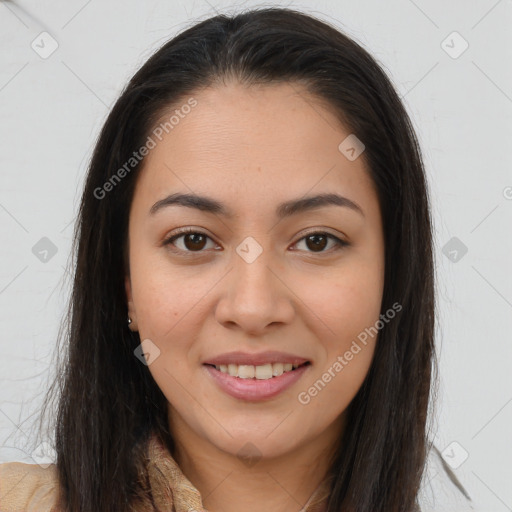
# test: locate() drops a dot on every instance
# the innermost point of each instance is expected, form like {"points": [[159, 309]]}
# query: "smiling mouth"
{"points": [[261, 372]]}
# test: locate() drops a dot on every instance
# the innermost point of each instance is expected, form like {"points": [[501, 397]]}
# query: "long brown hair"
{"points": [[109, 404]]}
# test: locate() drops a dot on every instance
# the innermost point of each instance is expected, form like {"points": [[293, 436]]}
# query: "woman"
{"points": [[257, 205]]}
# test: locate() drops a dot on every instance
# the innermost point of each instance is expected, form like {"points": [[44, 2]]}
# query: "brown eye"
{"points": [[317, 242], [196, 241], [193, 241]]}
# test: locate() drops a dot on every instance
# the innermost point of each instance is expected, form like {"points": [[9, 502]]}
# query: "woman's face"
{"points": [[252, 279]]}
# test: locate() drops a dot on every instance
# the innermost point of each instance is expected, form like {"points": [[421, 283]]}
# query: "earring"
{"points": [[129, 320]]}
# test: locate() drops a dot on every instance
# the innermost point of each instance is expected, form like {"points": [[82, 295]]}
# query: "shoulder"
{"points": [[28, 487]]}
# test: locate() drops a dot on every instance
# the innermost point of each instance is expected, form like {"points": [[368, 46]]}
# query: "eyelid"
{"points": [[323, 231]]}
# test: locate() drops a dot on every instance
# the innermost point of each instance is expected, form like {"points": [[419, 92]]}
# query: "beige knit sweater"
{"points": [[34, 488]]}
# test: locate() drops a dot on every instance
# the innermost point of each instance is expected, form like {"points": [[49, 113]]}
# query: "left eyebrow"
{"points": [[286, 209]]}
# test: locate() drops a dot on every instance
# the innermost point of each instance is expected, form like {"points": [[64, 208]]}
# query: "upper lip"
{"points": [[261, 358]]}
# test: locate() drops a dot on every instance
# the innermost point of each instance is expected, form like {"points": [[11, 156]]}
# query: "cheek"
{"points": [[344, 312], [166, 296], [345, 302], [345, 315]]}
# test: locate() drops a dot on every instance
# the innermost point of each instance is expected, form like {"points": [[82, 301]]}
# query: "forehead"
{"points": [[253, 144]]}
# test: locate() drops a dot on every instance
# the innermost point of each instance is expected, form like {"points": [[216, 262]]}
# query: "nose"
{"points": [[255, 296]]}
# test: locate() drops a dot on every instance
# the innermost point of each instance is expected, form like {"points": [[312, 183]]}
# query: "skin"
{"points": [[253, 148]]}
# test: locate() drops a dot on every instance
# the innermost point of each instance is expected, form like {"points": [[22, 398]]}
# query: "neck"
{"points": [[248, 481]]}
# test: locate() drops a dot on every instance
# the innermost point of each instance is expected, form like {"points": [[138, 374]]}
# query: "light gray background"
{"points": [[51, 110]]}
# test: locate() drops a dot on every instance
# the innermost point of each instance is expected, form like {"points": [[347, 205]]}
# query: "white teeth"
{"points": [[277, 369], [262, 372], [246, 371]]}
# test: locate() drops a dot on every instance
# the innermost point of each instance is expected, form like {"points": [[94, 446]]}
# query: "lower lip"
{"points": [[255, 389]]}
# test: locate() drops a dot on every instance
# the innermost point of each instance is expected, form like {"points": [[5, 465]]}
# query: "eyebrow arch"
{"points": [[286, 209]]}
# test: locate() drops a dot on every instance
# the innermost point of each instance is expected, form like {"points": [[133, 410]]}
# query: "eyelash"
{"points": [[340, 244]]}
